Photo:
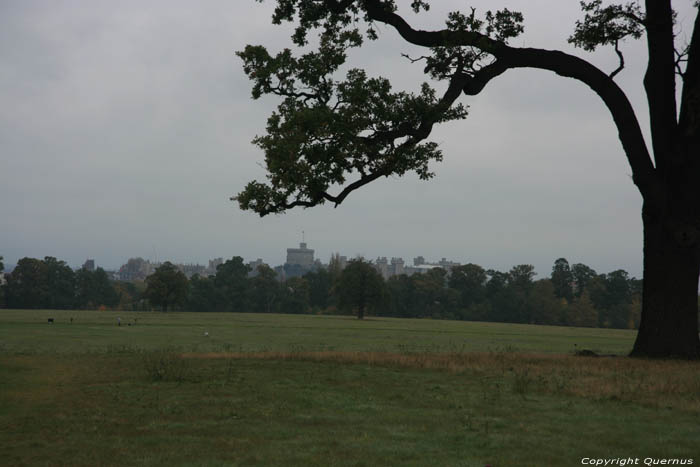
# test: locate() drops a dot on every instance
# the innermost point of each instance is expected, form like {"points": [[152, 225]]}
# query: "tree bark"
{"points": [[669, 322]]}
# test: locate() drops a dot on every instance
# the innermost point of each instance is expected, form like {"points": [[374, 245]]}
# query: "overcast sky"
{"points": [[126, 126]]}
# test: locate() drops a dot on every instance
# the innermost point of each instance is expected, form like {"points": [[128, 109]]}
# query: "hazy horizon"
{"points": [[126, 126], [408, 260]]}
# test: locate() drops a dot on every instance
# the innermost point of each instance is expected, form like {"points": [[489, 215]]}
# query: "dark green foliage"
{"points": [[609, 300], [204, 296], [521, 277], [2, 286], [360, 288], [232, 281], [612, 295], [60, 284], [266, 291], [130, 295], [295, 296], [47, 283], [501, 297], [326, 132], [331, 132], [467, 292], [431, 296], [562, 279], [582, 312], [582, 276], [607, 25], [545, 306], [469, 280], [401, 291], [167, 286], [93, 289], [320, 288], [27, 286]]}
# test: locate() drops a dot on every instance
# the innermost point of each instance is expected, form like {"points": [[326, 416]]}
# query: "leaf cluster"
{"points": [[499, 26], [607, 25], [326, 130], [167, 286], [317, 139], [332, 15]]}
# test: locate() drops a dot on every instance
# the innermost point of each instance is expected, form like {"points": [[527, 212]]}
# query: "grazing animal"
{"points": [[50, 320]]}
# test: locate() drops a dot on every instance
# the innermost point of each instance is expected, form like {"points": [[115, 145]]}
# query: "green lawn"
{"points": [[315, 390], [28, 331]]}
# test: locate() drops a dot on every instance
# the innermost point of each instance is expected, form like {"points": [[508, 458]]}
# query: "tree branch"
{"points": [[689, 119], [389, 162], [622, 61], [453, 91], [478, 81], [414, 60], [681, 57], [563, 64]]}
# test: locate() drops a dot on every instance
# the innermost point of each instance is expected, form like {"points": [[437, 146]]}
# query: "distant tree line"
{"points": [[52, 284], [573, 295]]}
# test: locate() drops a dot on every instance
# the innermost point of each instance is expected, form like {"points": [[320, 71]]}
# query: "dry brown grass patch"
{"points": [[662, 384]]}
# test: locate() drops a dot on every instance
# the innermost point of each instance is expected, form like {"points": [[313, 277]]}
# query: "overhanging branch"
{"points": [[563, 64], [390, 162]]}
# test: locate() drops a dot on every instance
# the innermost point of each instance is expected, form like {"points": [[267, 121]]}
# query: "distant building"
{"points": [[299, 262], [397, 267], [89, 265], [420, 266], [382, 266], [136, 269], [191, 269], [388, 269], [213, 264], [447, 265], [302, 256]]}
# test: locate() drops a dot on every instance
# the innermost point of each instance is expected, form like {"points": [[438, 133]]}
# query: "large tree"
{"points": [[167, 286], [562, 279], [232, 282], [330, 134], [360, 287], [47, 283]]}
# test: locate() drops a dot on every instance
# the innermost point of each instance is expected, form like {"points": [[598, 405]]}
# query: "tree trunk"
{"points": [[361, 312], [669, 322]]}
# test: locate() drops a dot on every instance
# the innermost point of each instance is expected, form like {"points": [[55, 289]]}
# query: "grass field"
{"points": [[27, 331], [319, 390]]}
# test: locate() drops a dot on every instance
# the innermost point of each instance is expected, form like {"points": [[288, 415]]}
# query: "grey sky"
{"points": [[126, 126]]}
